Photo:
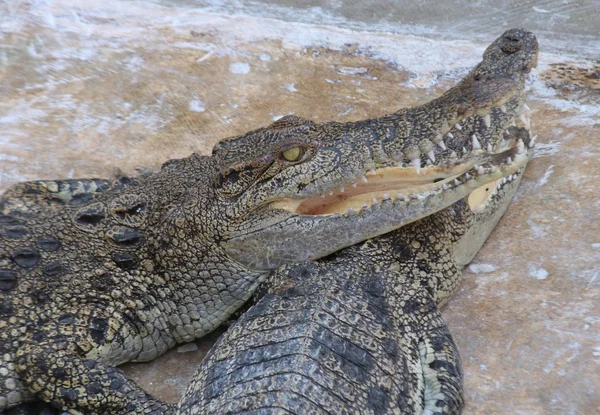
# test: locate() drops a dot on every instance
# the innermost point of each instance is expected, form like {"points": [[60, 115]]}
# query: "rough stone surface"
{"points": [[88, 87]]}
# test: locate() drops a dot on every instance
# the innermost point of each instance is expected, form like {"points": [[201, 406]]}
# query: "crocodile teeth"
{"points": [[476, 144], [456, 182], [526, 107], [342, 189], [331, 193], [504, 180], [507, 132], [488, 120], [386, 196], [374, 201], [453, 154], [503, 108], [431, 156], [532, 141], [364, 179], [489, 148], [449, 135], [509, 161], [350, 211], [372, 171], [468, 176], [514, 124], [445, 186], [480, 170], [493, 169], [520, 147], [400, 196], [416, 163], [525, 120], [464, 150], [353, 184], [442, 145], [458, 126]]}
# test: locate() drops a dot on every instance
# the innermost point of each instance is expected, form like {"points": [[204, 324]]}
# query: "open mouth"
{"points": [[481, 170]]}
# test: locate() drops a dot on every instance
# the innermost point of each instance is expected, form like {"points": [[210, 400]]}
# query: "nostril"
{"points": [[511, 44]]}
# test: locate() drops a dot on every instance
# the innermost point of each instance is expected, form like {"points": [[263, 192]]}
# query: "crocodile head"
{"points": [[299, 190]]}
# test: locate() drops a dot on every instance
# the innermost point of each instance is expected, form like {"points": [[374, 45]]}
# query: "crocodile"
{"points": [[360, 331], [95, 273], [357, 332]]}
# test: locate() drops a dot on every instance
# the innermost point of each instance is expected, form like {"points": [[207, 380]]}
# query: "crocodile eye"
{"points": [[293, 154]]}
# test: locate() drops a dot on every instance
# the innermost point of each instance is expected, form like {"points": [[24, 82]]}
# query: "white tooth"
{"points": [[526, 107], [365, 206], [520, 146], [525, 120], [514, 124], [532, 141], [504, 180], [503, 143], [476, 144], [442, 145], [414, 196], [353, 184], [399, 163], [453, 154], [449, 135], [509, 161], [445, 186], [342, 189], [494, 169], [458, 126], [372, 171], [464, 150], [400, 196], [503, 108], [510, 177], [350, 211], [374, 202], [489, 148], [480, 170], [431, 155], [416, 163], [488, 120], [331, 193], [364, 179], [386, 196], [428, 162], [468, 176], [323, 196], [507, 132], [456, 182]]}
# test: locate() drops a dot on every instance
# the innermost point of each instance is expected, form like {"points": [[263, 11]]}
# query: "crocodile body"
{"points": [[356, 332], [95, 273]]}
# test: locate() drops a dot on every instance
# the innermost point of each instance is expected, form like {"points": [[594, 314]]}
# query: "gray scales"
{"points": [[95, 273], [358, 332]]}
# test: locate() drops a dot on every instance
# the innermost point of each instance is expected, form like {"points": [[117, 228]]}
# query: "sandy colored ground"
{"points": [[87, 87]]}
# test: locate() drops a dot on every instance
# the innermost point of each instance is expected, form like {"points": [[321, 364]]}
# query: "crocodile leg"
{"points": [[60, 364]]}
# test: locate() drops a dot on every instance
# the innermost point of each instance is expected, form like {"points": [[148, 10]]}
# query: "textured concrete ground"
{"points": [[87, 87]]}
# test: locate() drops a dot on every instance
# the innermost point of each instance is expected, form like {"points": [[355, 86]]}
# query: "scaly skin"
{"points": [[358, 332], [94, 274]]}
